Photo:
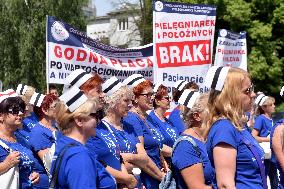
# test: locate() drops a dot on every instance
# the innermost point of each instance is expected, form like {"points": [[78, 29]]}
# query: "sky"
{"points": [[103, 7]]}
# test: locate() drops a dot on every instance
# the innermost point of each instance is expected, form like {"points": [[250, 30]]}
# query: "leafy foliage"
{"points": [[22, 37]]}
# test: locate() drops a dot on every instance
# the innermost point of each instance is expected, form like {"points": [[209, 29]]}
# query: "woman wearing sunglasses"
{"points": [[232, 151], [157, 119], [75, 165], [18, 153], [151, 138]]}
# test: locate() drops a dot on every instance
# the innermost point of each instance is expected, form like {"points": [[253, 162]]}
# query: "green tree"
{"points": [[22, 37]]}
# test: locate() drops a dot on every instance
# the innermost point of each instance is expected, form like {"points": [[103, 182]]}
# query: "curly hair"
{"points": [[47, 101], [259, 109], [140, 87], [12, 102], [112, 100]]}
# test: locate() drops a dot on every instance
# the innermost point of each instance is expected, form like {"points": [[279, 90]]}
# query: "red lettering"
{"points": [[103, 61], [120, 62], [58, 51], [149, 62], [83, 53], [93, 57], [113, 61], [69, 53], [130, 63], [138, 61]]}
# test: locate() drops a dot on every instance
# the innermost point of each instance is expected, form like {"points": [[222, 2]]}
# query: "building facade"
{"points": [[117, 28]]}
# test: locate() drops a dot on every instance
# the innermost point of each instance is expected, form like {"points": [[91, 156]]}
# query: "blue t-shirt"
{"points": [[263, 125], [41, 138], [152, 144], [105, 146], [176, 120], [273, 157], [89, 174], [167, 129], [185, 155], [247, 170], [30, 122], [26, 164]]}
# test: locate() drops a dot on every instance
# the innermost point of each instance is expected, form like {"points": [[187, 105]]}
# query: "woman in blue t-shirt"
{"points": [[261, 132], [157, 119], [12, 151], [175, 115], [75, 165], [150, 138], [191, 164], [233, 152]]}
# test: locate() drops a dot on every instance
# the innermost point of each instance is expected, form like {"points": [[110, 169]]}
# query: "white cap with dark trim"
{"points": [[260, 99], [282, 92], [73, 98], [188, 98], [111, 85], [77, 77], [216, 77], [180, 85], [37, 99], [21, 89], [133, 80]]}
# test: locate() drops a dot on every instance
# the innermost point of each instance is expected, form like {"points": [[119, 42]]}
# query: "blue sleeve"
{"points": [[82, 176], [40, 140], [185, 155], [104, 179], [224, 132], [96, 145], [3, 154], [136, 124], [258, 123]]}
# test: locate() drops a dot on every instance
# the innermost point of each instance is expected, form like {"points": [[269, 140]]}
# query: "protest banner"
{"points": [[183, 37], [231, 49], [68, 49]]}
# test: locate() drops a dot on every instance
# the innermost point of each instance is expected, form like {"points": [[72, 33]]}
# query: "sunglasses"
{"points": [[249, 90], [147, 95], [16, 111]]}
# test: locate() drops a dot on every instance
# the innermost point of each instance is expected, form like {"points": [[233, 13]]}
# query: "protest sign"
{"points": [[68, 49], [183, 37], [231, 49]]}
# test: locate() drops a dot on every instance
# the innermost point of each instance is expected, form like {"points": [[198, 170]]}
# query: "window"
{"points": [[123, 24]]}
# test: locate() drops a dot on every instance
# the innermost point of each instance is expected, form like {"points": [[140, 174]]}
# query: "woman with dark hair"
{"points": [[12, 110], [150, 138], [175, 116], [261, 132], [232, 150], [277, 145], [75, 166], [190, 160], [157, 119]]}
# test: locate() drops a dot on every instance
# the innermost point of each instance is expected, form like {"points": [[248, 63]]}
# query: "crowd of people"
{"points": [[115, 134]]}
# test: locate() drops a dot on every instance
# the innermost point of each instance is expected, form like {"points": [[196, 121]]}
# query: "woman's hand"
{"points": [[34, 177], [132, 182], [13, 159]]}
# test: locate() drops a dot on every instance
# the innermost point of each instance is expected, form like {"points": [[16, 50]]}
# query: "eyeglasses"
{"points": [[249, 90], [147, 95], [16, 111]]}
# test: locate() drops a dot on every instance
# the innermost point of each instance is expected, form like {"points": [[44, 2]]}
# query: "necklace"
{"points": [[161, 117], [198, 135]]}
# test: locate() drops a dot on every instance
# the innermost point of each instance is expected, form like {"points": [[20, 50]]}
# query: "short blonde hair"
{"points": [[112, 100], [65, 118], [28, 94], [227, 103], [199, 106], [268, 101]]}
